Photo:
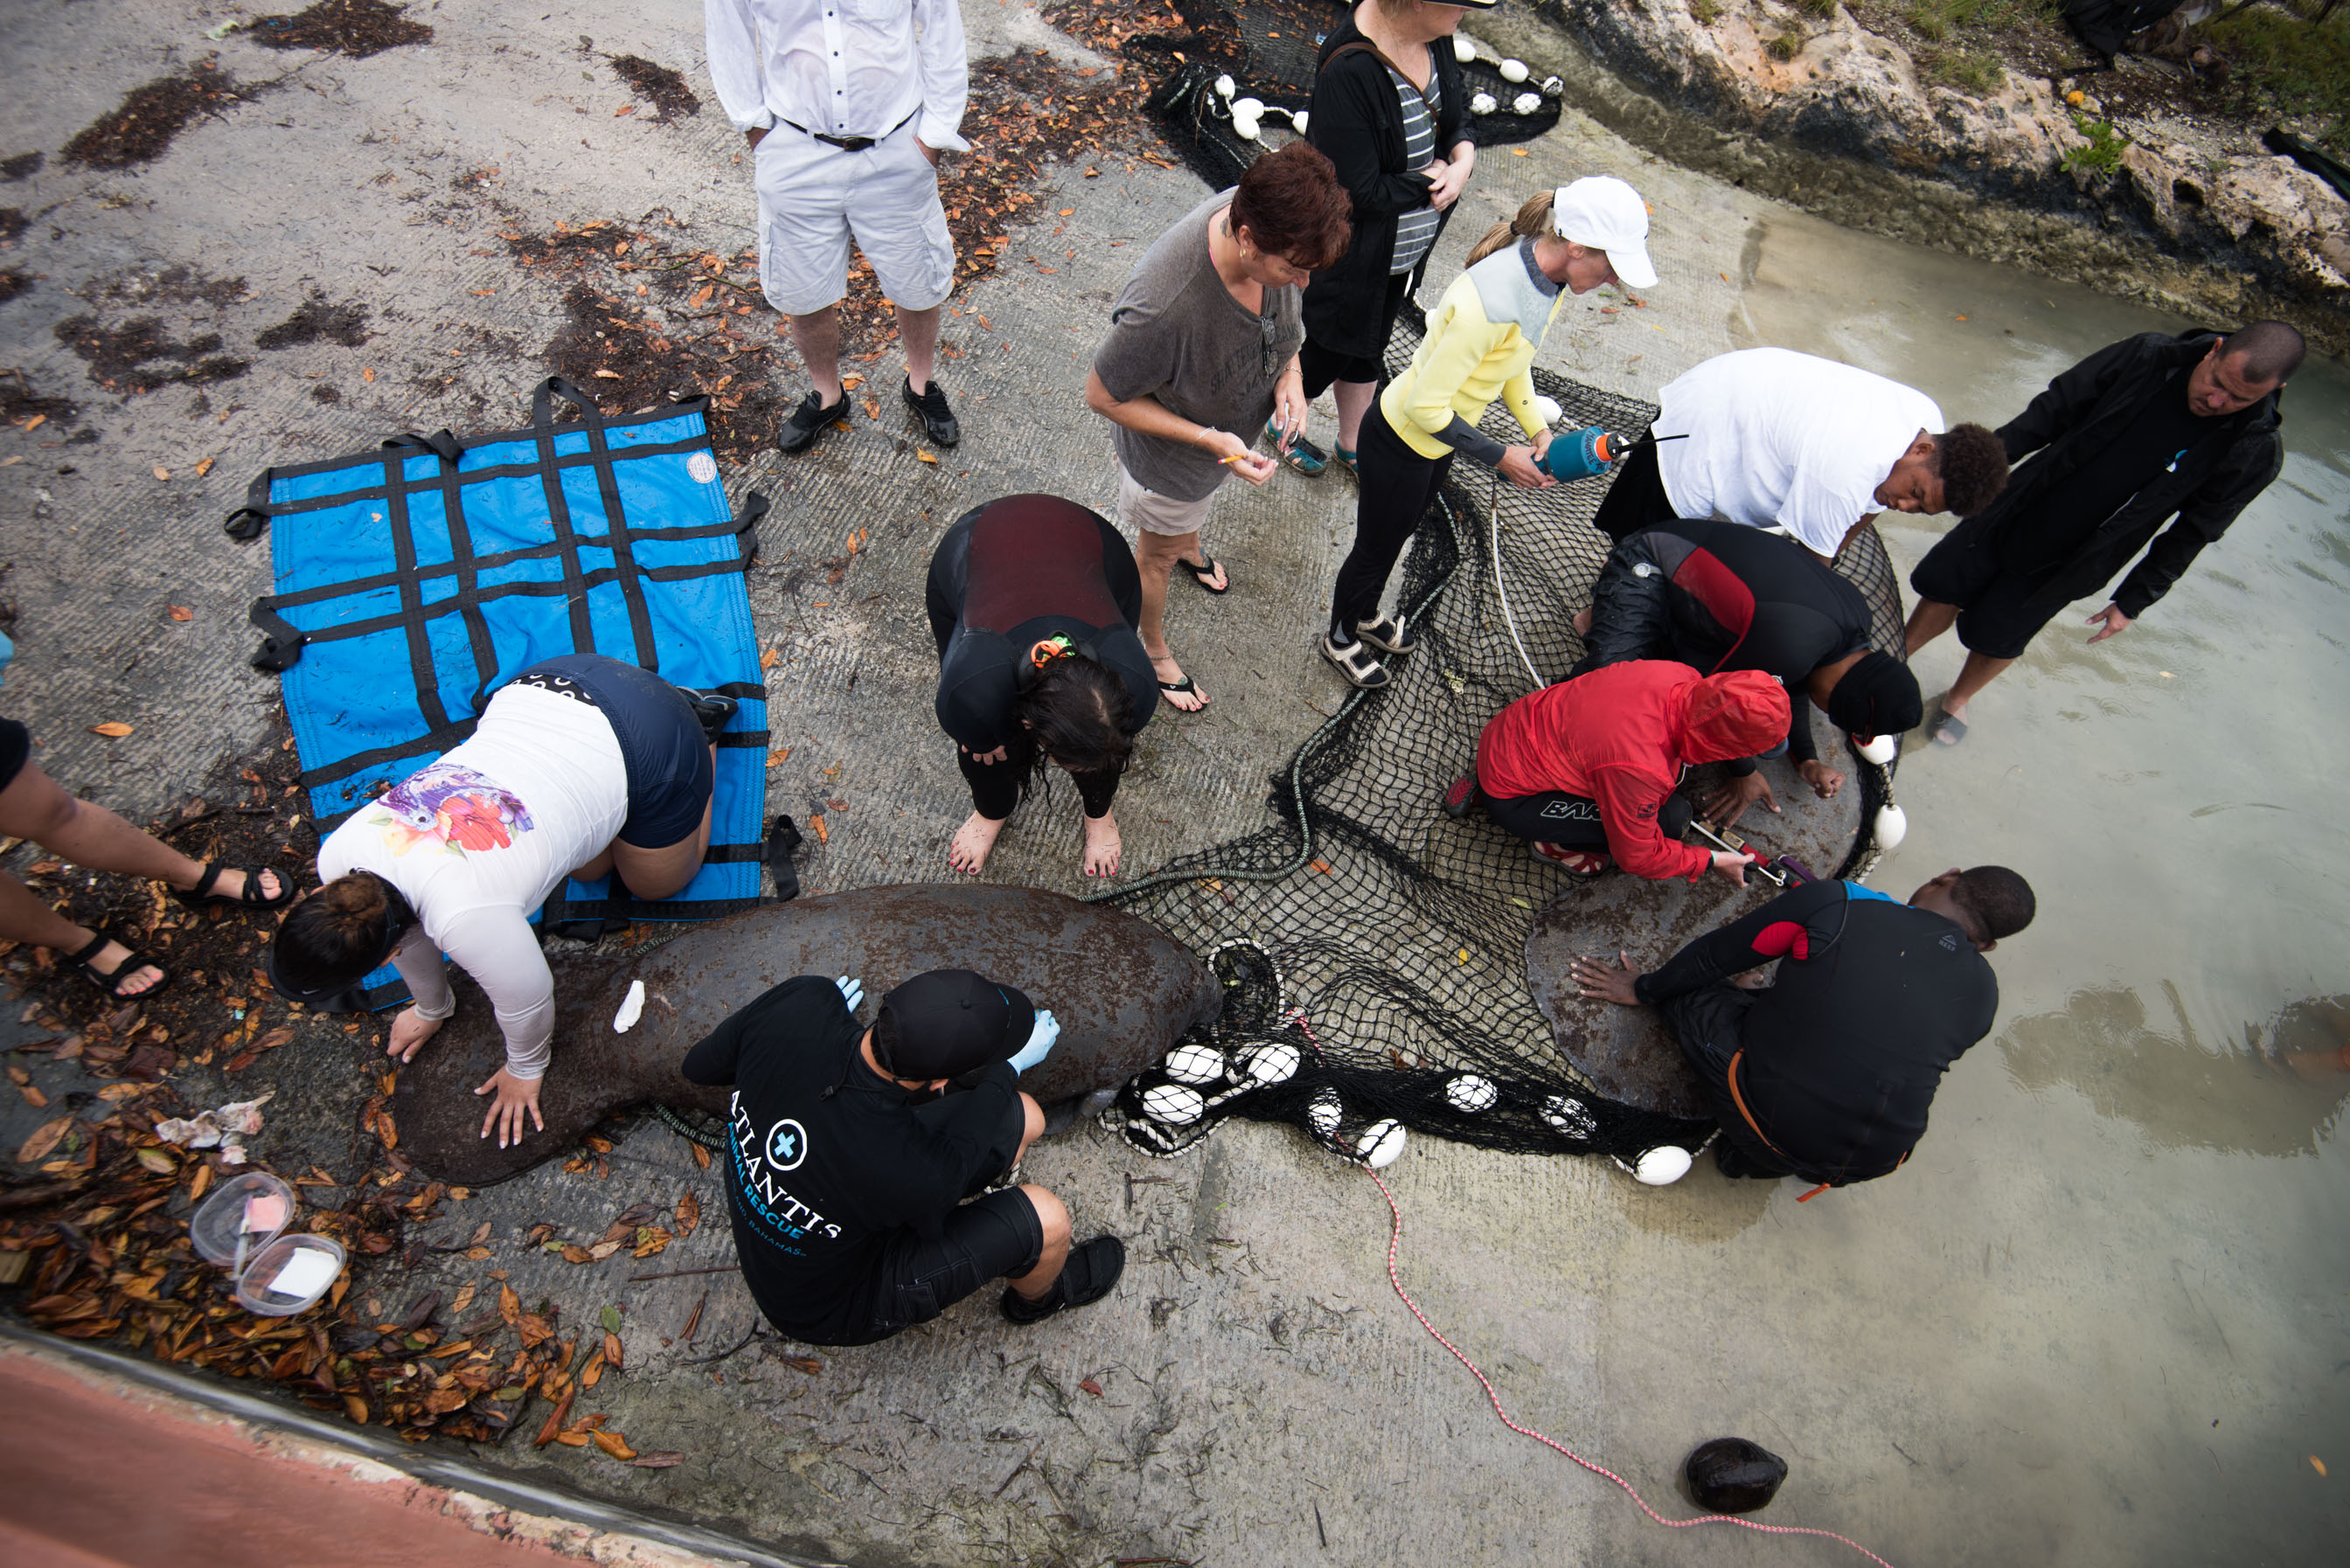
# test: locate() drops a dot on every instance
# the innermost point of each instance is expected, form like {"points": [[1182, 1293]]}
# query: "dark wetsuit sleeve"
{"points": [[1469, 442], [959, 1149], [716, 1058], [2068, 400], [1750, 942]]}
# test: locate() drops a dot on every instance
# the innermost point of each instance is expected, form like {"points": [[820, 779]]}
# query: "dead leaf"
{"points": [[689, 1214], [624, 108], [612, 1350], [1092, 1387], [575, 1253], [603, 1250], [925, 456], [609, 375], [205, 466], [534, 1329], [182, 612], [368, 373], [32, 1095], [823, 834], [572, 1439], [614, 1444], [161, 1164], [509, 1306], [162, 473], [872, 410], [657, 1461], [1068, 212], [44, 1137], [465, 1299], [113, 729], [701, 1157], [807, 1364], [554, 1419]]}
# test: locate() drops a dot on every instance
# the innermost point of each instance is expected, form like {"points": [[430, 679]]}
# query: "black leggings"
{"points": [[995, 787], [1572, 821], [1397, 487], [1636, 498]]}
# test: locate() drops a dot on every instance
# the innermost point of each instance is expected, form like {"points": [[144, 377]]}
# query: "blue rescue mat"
{"points": [[414, 580]]}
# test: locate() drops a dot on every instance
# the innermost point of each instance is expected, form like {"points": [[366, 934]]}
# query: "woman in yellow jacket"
{"points": [[1481, 343]]}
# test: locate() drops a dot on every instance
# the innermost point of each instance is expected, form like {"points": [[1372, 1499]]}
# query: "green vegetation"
{"points": [[2283, 63], [2103, 155], [1787, 45], [1969, 70], [1707, 12], [1824, 9]]}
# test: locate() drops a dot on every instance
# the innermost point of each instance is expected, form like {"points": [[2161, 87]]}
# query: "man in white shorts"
{"points": [[846, 107]]}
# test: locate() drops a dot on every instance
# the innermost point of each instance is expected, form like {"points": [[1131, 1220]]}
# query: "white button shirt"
{"points": [[842, 67]]}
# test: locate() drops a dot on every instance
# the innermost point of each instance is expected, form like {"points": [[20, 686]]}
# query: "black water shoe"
{"points": [[1463, 796], [809, 420], [710, 710], [929, 406], [1092, 1269]]}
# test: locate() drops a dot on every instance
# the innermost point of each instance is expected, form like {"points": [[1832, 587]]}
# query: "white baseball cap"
{"points": [[1602, 211]]}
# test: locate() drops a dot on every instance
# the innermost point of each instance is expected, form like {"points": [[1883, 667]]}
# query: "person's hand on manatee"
{"points": [[410, 1030], [852, 991], [1040, 1041], [515, 1097]]}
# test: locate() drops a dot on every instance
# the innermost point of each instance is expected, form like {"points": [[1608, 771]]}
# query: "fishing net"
{"points": [[1374, 949], [1268, 48]]}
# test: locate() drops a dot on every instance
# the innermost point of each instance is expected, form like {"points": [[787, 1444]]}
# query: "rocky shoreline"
{"points": [[2187, 217]]}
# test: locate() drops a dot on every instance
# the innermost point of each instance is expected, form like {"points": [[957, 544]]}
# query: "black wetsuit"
{"points": [[1828, 1073], [1721, 596], [844, 1191], [1007, 576]]}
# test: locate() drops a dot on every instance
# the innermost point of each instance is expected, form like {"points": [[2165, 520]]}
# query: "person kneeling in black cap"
{"points": [[1722, 596], [849, 1164]]}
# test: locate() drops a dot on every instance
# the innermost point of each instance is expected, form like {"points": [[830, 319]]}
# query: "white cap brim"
{"points": [[1631, 265]]}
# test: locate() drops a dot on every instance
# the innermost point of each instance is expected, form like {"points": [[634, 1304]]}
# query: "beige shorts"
{"points": [[1148, 512], [813, 197]]}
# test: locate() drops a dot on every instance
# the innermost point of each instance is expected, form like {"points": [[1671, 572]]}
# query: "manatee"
{"points": [[1123, 989], [1624, 1051]]}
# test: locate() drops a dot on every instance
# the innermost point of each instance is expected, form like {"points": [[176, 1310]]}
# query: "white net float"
{"points": [[1663, 1165], [1569, 1115], [1323, 1112], [1225, 86], [1380, 1144], [1297, 119], [1548, 407], [1553, 86], [1483, 103], [1194, 1064], [1527, 102], [1468, 1092], [1878, 749], [1252, 106], [1245, 126], [1892, 826], [1276, 1062], [1464, 49], [1514, 71], [1172, 1104]]}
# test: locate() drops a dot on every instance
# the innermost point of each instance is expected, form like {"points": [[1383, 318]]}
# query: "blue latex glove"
{"points": [[1040, 1042], [852, 991]]}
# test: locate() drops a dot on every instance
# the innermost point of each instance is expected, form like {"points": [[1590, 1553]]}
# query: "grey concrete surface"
{"points": [[1262, 1395]]}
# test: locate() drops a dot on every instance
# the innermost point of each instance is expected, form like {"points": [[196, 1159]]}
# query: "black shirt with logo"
{"points": [[819, 1184]]}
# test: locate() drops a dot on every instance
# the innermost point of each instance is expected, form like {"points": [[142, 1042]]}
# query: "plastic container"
{"points": [[218, 1223], [288, 1275]]}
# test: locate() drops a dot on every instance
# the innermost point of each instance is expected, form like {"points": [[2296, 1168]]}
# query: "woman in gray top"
{"points": [[1390, 112], [1202, 351]]}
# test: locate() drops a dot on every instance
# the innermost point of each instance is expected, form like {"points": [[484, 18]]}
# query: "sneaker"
{"points": [[1387, 635], [1300, 454], [1581, 863], [1089, 1274], [809, 420], [710, 710], [929, 406], [1462, 796], [1354, 663]]}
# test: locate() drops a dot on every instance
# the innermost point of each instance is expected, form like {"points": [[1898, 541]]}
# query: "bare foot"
{"points": [[1103, 845], [1171, 676], [972, 840], [1583, 622]]}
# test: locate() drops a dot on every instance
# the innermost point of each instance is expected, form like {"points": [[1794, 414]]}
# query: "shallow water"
{"points": [[2101, 1317]]}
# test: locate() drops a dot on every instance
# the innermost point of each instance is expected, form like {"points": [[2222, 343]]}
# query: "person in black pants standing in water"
{"points": [[1033, 601], [846, 1173], [1826, 1073]]}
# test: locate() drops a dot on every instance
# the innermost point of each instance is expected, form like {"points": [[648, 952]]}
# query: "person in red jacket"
{"points": [[1586, 768]]}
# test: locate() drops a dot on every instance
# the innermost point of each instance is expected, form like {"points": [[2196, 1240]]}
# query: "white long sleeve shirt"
{"points": [[842, 67]]}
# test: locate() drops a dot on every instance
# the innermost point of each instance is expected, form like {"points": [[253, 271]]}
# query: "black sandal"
{"points": [[197, 897], [111, 981], [1205, 569]]}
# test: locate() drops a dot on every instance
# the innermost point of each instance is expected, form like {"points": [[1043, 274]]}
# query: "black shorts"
{"points": [[1999, 615], [1319, 366], [671, 777], [16, 751]]}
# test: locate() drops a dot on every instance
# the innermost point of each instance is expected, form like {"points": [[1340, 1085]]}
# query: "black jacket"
{"points": [[1354, 120], [2075, 417], [1839, 1057]]}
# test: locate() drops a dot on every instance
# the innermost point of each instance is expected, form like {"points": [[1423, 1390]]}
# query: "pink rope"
{"points": [[1395, 1240]]}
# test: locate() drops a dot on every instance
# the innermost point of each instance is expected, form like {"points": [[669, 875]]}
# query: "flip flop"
{"points": [[782, 838], [1183, 688], [1202, 571], [1942, 725]]}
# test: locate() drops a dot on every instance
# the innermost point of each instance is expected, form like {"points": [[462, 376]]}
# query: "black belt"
{"points": [[853, 143]]}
